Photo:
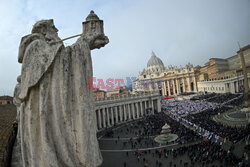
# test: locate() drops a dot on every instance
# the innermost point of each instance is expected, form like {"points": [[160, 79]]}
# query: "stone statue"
{"points": [[16, 99], [57, 122]]}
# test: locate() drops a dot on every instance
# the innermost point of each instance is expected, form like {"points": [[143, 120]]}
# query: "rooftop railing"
{"points": [[129, 96]]}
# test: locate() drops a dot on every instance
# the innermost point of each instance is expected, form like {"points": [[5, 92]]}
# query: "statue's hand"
{"points": [[98, 41]]}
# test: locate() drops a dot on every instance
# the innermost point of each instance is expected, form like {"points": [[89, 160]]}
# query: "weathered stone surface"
{"points": [[57, 121]]}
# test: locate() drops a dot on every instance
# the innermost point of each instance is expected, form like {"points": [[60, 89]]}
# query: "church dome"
{"points": [[154, 61]]}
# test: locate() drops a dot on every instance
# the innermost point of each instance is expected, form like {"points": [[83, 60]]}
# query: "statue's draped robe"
{"points": [[57, 124]]}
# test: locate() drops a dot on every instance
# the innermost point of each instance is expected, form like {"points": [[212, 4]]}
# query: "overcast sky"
{"points": [[178, 31]]}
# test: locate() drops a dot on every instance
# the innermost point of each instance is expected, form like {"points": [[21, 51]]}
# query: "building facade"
{"points": [[217, 75], [232, 84], [99, 93], [224, 75], [116, 92], [6, 100], [171, 80]]}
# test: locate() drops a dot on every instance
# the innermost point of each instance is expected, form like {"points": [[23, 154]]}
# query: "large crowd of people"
{"points": [[201, 111], [185, 107], [205, 153], [205, 120], [201, 103], [191, 148], [223, 97], [144, 131], [203, 96]]}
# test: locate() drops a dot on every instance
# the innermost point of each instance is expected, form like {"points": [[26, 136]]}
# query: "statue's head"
{"points": [[93, 31], [47, 29]]}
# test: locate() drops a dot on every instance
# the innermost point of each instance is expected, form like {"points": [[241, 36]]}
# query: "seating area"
{"points": [[185, 107]]}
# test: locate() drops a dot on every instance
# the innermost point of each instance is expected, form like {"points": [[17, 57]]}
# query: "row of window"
{"points": [[214, 88]]}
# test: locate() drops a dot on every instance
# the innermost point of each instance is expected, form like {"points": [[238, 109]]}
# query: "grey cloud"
{"points": [[178, 31]]}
